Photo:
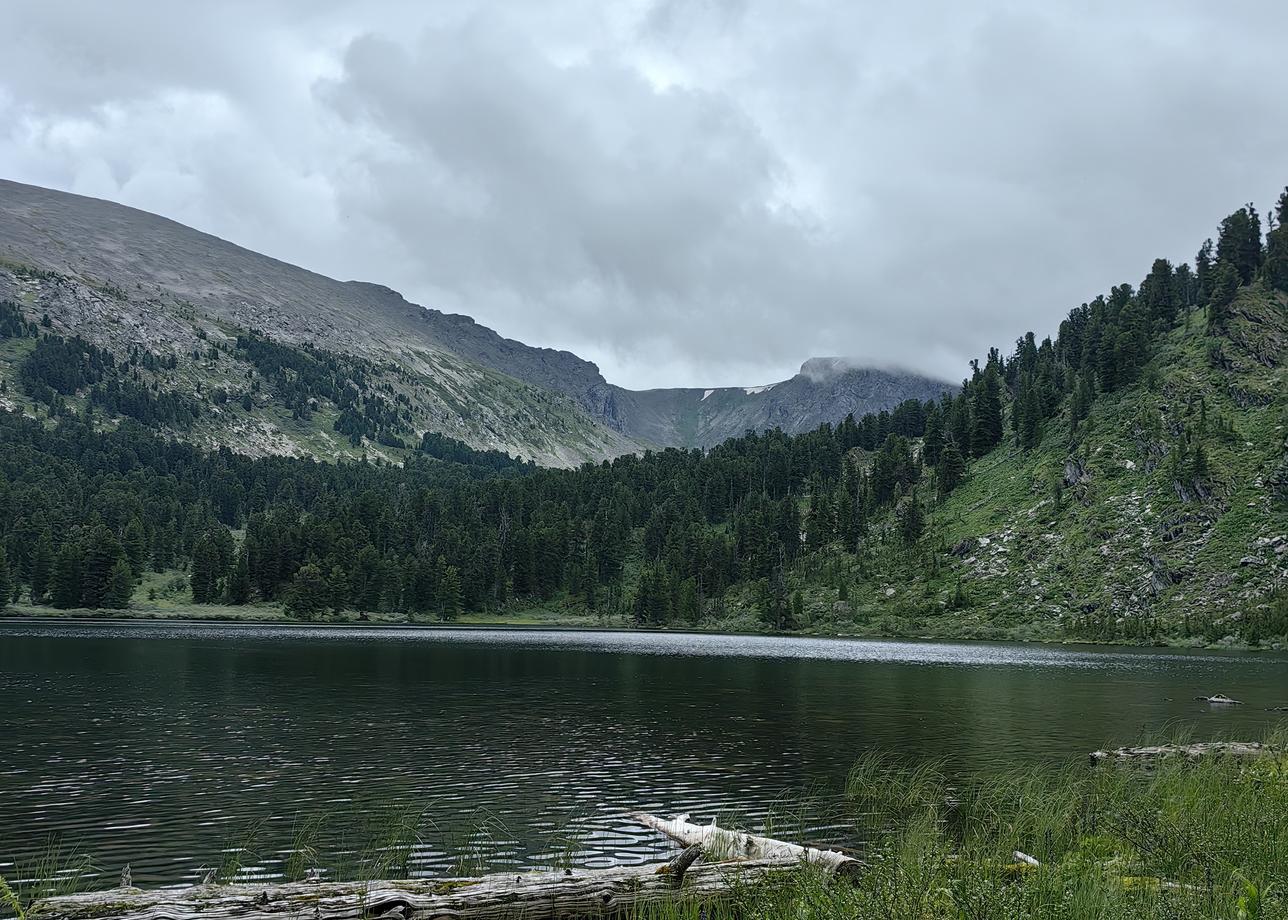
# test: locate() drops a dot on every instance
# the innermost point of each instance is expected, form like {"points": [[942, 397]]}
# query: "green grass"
{"points": [[1081, 568], [1180, 841]]}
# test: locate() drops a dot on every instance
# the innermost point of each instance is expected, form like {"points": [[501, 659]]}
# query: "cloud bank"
{"points": [[703, 193]]}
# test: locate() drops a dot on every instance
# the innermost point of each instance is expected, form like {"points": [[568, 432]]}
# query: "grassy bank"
{"points": [[1203, 840], [889, 626]]}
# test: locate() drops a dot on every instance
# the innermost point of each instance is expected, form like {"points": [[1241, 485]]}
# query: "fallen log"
{"points": [[1148, 755], [531, 896], [733, 863], [725, 844]]}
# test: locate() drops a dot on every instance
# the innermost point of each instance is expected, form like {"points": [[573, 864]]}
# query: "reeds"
{"points": [[1178, 841]]}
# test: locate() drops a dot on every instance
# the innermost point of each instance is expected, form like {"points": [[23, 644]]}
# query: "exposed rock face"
{"points": [[147, 279], [704, 418]]}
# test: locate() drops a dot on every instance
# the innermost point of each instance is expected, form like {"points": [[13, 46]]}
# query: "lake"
{"points": [[159, 745]]}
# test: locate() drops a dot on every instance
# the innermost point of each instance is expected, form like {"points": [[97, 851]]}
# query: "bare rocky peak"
{"points": [[151, 261]]}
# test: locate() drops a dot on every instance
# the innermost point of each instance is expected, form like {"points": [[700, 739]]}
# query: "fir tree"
{"points": [[1225, 285], [987, 413], [239, 580], [932, 443], [367, 579], [689, 608], [338, 585], [120, 585], [205, 571], [102, 552], [42, 567], [951, 469], [1239, 243], [5, 584], [1203, 271], [308, 594], [67, 576], [1028, 412], [135, 543], [912, 520], [449, 593], [1276, 264]]}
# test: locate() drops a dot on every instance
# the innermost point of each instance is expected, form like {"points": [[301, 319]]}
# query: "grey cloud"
{"points": [[701, 193]]}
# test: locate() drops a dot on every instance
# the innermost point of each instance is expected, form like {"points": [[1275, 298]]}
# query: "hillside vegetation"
{"points": [[1124, 481]]}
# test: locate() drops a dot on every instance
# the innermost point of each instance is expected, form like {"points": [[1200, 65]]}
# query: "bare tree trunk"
{"points": [[1149, 755], [737, 861], [531, 896], [719, 843]]}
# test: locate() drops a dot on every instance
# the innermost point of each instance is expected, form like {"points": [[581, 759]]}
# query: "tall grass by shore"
{"points": [[1180, 841]]}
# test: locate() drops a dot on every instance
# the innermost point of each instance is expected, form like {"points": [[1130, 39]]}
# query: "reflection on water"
{"points": [[157, 744]]}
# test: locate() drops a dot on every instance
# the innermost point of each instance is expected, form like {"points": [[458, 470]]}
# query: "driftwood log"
{"points": [[1149, 755], [531, 896], [722, 843]]}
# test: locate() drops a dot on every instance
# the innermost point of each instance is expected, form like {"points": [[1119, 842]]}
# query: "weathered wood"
{"points": [[1219, 699], [530, 896], [719, 843], [1188, 751]]}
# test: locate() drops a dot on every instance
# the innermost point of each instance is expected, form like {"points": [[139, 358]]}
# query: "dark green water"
{"points": [[157, 745]]}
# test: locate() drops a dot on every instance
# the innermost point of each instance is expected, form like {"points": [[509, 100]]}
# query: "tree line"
{"points": [[664, 537]]}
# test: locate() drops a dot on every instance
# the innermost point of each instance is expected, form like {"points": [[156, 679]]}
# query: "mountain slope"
{"points": [[122, 278], [1115, 531]]}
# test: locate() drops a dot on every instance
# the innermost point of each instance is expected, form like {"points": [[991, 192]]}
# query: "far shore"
{"points": [[535, 619]]}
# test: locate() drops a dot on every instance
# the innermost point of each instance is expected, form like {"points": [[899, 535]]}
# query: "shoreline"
{"points": [[86, 618]]}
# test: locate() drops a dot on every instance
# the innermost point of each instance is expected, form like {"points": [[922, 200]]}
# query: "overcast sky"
{"points": [[688, 192]]}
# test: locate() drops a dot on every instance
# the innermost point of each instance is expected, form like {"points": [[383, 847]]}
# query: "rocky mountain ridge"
{"points": [[124, 278]]}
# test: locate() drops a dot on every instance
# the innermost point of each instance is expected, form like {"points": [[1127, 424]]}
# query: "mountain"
{"points": [[125, 279], [1125, 479]]}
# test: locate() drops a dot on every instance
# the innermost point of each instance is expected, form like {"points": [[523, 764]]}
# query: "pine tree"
{"points": [[449, 592], [102, 552], [367, 579], [987, 413], [308, 594], [951, 469], [5, 583], [42, 567], [689, 608], [1159, 295], [1203, 271], [67, 577], [120, 585], [135, 543], [820, 528], [1239, 243], [205, 571], [338, 583], [1276, 265], [1028, 411], [239, 580], [1225, 285], [932, 442], [912, 520]]}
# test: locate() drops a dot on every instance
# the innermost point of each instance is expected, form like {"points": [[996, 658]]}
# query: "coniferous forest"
{"points": [[91, 500]]}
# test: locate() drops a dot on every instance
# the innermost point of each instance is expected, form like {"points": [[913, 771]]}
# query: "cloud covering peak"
{"points": [[686, 193]]}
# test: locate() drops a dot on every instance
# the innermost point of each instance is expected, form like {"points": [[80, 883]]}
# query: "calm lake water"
{"points": [[159, 745]]}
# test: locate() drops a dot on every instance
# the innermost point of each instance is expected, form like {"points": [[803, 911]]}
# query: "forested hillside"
{"points": [[1124, 480]]}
